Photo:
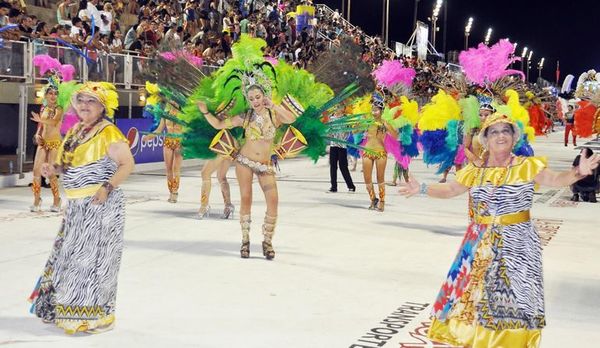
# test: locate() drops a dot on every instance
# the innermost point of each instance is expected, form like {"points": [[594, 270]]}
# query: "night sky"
{"points": [[569, 31]]}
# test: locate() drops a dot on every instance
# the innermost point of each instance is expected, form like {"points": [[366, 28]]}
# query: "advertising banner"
{"points": [[304, 17], [422, 40], [143, 151]]}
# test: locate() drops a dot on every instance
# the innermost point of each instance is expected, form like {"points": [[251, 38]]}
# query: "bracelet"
{"points": [[108, 186], [58, 169], [423, 189]]}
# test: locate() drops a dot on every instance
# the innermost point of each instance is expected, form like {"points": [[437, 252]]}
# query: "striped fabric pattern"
{"points": [[78, 287], [496, 279]]}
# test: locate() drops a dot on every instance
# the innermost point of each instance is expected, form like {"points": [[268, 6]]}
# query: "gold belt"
{"points": [[86, 191], [506, 219]]}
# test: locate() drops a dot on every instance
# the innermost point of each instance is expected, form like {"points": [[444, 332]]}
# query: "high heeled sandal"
{"points": [[245, 250], [173, 197], [268, 251], [228, 211], [36, 208], [374, 203], [204, 212], [56, 208]]}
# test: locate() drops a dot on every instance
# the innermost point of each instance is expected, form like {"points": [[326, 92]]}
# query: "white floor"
{"points": [[340, 269]]}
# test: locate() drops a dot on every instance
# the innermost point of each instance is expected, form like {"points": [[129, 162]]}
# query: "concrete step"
{"points": [[43, 14]]}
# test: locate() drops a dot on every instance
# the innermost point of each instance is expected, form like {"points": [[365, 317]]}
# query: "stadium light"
{"points": [[468, 31]]}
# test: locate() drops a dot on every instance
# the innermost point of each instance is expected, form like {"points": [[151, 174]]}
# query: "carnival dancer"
{"points": [[48, 136], [221, 165], [78, 286], [249, 100], [493, 295], [163, 108], [254, 159], [172, 151], [400, 113], [48, 140], [338, 156], [376, 154]]}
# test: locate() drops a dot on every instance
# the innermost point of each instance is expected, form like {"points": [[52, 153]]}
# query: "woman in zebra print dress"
{"points": [[493, 295], [77, 289]]}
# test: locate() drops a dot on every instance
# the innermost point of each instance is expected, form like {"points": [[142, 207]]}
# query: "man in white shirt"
{"points": [[105, 23], [93, 11]]}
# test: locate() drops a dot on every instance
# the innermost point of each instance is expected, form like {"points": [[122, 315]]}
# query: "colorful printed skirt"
{"points": [[78, 287], [493, 294]]}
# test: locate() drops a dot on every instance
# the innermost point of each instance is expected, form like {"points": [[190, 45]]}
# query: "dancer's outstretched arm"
{"points": [[551, 178], [447, 190], [232, 122]]}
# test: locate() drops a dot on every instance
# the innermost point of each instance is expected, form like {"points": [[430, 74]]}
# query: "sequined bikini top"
{"points": [[48, 113], [260, 127]]}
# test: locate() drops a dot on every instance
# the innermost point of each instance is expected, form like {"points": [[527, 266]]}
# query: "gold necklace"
{"points": [[74, 140]]}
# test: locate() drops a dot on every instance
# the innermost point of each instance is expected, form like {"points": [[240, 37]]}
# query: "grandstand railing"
{"points": [[323, 9], [125, 69]]}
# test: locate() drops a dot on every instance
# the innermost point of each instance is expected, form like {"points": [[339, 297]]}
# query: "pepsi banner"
{"points": [[143, 151]]}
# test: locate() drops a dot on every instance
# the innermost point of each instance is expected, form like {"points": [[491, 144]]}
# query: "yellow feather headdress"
{"points": [[104, 92], [153, 91]]}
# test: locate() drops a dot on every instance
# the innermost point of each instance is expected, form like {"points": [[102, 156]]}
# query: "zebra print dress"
{"points": [[77, 289], [493, 295]]}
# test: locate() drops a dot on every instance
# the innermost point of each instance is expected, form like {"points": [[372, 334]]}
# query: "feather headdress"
{"points": [[342, 65], [484, 65], [391, 74], [46, 64], [104, 92]]}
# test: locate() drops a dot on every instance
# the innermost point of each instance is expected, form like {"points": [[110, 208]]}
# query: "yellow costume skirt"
{"points": [[50, 145], [374, 155], [173, 143]]}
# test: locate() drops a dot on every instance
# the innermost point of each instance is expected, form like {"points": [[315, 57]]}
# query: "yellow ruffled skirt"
{"points": [[459, 333]]}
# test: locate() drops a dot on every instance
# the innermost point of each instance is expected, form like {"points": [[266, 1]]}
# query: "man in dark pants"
{"points": [[586, 187], [339, 155]]}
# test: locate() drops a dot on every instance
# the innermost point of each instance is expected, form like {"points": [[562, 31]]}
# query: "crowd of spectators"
{"points": [[206, 28]]}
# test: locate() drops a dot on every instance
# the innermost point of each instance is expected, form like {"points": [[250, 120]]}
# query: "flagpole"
{"points": [[557, 72]]}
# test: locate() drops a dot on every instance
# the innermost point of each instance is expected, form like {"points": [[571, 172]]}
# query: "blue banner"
{"points": [[143, 151]]}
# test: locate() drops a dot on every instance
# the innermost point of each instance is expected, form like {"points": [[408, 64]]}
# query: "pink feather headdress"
{"points": [[45, 63], [391, 72], [484, 65], [272, 60], [172, 56]]}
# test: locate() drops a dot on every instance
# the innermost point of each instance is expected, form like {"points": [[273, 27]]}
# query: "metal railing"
{"points": [[125, 69], [323, 9]]}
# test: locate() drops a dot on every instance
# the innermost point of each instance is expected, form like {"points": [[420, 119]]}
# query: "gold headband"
{"points": [[495, 119], [105, 92]]}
